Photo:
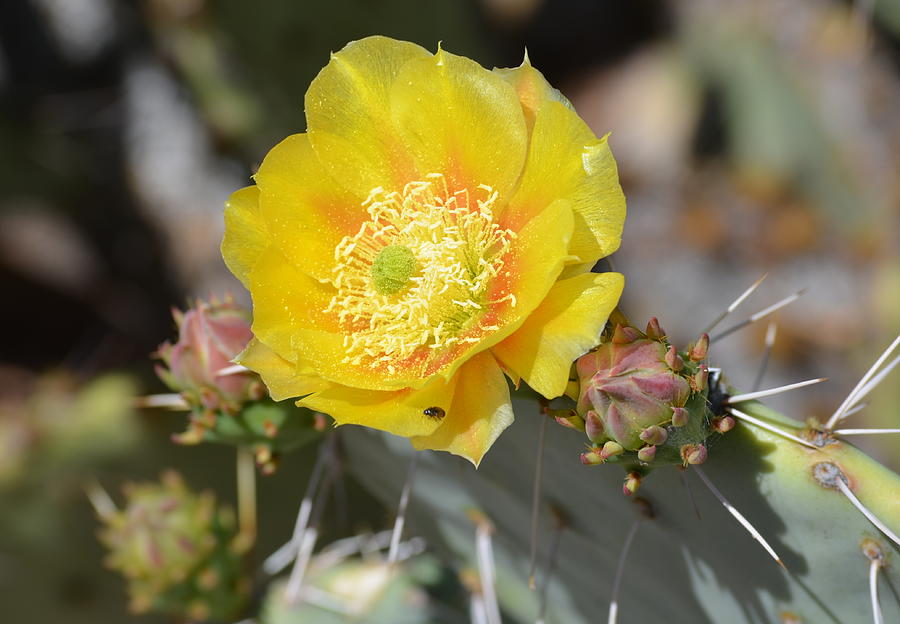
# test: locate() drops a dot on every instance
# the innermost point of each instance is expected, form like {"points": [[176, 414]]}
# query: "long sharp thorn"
{"points": [[401, 511], [734, 304], [282, 557], [536, 502], [171, 401], [864, 431], [690, 493], [100, 499], [846, 491], [771, 428], [749, 396], [856, 408], [739, 517], [873, 383], [851, 398], [620, 569], [485, 556], [771, 332], [877, 617], [551, 566], [236, 369], [759, 315], [477, 611]]}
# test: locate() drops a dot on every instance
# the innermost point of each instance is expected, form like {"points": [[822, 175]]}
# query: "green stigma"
{"points": [[392, 269]]}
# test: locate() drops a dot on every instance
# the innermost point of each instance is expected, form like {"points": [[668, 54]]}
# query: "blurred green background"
{"points": [[751, 137]]}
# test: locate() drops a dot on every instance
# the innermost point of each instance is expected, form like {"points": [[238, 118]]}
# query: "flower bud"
{"points": [[654, 434], [723, 424], [632, 483], [210, 335], [647, 454], [693, 454], [700, 349], [680, 417]]}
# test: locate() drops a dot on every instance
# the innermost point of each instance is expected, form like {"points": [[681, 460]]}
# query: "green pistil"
{"points": [[392, 268]]}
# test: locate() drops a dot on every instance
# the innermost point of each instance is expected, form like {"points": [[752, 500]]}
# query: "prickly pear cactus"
{"points": [[179, 552], [646, 406]]}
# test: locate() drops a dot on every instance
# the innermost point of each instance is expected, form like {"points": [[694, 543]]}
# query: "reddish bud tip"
{"points": [[723, 424], [611, 449], [569, 419], [700, 349], [654, 331], [592, 457], [680, 416], [654, 434], [647, 453], [593, 427], [674, 360], [625, 335], [693, 454], [632, 483]]}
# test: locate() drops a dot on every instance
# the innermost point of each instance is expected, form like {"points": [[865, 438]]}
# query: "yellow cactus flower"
{"points": [[432, 232]]}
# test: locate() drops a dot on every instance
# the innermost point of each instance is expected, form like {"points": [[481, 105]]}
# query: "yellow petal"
{"points": [[306, 212], [285, 301], [401, 412], [531, 267], [531, 87], [480, 411], [284, 379], [566, 325], [461, 120], [246, 236], [348, 114], [566, 160]]}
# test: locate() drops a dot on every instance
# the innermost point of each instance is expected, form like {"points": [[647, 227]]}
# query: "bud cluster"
{"points": [[177, 551], [642, 403]]}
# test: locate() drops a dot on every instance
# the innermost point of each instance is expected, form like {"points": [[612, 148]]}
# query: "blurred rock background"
{"points": [[751, 138]]}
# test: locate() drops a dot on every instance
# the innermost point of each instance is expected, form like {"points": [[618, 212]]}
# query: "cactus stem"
{"points": [[846, 491], [236, 369], [485, 556], [864, 431], [759, 315], [734, 304], [771, 332], [535, 503], [620, 569], [173, 401], [739, 516], [855, 394], [771, 428], [282, 557], [401, 510], [749, 396]]}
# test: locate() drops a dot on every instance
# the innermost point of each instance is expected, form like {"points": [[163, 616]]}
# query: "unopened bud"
{"points": [[593, 427], [680, 416], [700, 349], [654, 434], [569, 419], [611, 449], [698, 381], [654, 331], [693, 454], [625, 335], [674, 360], [592, 457], [632, 483], [723, 424], [647, 453]]}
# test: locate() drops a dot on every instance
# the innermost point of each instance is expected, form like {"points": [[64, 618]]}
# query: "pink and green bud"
{"points": [[210, 335], [680, 416], [632, 483], [673, 360], [693, 454], [647, 454], [654, 331], [611, 449], [654, 434], [723, 424], [592, 457], [593, 427], [630, 386], [699, 351]]}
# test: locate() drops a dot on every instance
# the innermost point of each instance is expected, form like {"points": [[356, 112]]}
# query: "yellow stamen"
{"points": [[417, 274]]}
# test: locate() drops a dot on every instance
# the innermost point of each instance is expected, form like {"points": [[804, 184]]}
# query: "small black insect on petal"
{"points": [[434, 412]]}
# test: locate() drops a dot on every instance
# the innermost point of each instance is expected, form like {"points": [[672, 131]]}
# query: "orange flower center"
{"points": [[417, 273]]}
